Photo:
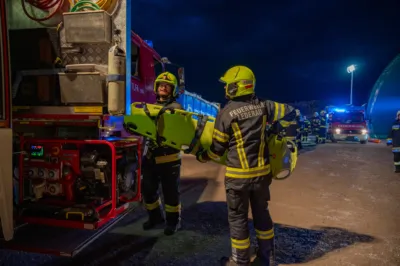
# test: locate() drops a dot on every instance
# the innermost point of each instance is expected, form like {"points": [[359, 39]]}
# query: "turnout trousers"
{"points": [[239, 193], [315, 131], [299, 139], [396, 158], [304, 137], [168, 175], [322, 134]]}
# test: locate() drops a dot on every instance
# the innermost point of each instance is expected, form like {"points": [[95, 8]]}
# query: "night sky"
{"points": [[298, 50]]}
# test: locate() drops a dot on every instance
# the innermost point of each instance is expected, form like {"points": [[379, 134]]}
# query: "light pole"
{"points": [[350, 70]]}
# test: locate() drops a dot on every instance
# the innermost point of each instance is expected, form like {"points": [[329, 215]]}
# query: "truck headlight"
{"points": [[337, 130], [364, 131]]}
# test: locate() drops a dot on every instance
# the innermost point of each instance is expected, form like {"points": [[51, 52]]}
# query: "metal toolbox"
{"points": [[88, 27], [83, 84]]}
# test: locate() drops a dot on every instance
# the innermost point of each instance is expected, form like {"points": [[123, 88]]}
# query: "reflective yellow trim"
{"points": [[220, 136], [212, 155], [200, 159], [290, 138], [152, 206], [248, 173], [169, 208], [265, 235], [240, 244], [279, 111], [168, 158], [284, 123], [239, 146], [263, 140]]}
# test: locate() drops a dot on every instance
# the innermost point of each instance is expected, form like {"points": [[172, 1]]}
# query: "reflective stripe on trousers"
{"points": [[168, 158], [153, 205], [239, 195], [249, 172]]}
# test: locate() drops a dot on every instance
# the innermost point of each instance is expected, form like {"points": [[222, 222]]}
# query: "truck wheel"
{"points": [[333, 140], [363, 142]]}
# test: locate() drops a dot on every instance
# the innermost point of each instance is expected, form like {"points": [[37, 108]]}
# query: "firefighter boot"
{"points": [[265, 253], [228, 261], [155, 218], [173, 223], [397, 169]]}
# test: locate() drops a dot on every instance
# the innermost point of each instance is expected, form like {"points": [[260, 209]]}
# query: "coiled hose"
{"points": [[97, 5], [44, 5]]}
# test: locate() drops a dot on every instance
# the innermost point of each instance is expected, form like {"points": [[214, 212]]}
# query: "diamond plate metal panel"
{"points": [[77, 54], [94, 53]]}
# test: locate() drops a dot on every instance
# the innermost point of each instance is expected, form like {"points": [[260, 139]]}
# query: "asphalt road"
{"points": [[340, 207]]}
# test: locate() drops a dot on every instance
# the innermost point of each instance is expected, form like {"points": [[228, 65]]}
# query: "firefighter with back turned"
{"points": [[240, 130], [162, 164], [394, 136]]}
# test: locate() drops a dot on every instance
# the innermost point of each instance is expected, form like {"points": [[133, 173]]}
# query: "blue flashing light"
{"points": [[339, 110], [149, 43]]}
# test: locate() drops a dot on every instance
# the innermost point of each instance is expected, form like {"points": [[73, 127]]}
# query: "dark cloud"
{"points": [[298, 50]]}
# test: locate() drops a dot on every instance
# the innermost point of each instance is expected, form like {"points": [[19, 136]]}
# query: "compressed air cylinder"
{"points": [[116, 80]]}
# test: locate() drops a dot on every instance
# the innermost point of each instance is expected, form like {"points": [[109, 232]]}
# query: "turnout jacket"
{"points": [[315, 122], [294, 128], [394, 134], [240, 129], [162, 154]]}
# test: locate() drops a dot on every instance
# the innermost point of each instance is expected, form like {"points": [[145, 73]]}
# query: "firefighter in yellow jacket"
{"points": [[162, 165], [240, 129]]}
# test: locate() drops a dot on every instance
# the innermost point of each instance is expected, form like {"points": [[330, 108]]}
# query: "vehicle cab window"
{"points": [[135, 72]]}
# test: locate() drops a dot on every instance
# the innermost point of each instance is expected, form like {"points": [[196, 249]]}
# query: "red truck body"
{"points": [[347, 123], [74, 165]]}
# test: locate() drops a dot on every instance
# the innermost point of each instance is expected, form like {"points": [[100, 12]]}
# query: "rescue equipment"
{"points": [[116, 80], [191, 132], [195, 131], [283, 156]]}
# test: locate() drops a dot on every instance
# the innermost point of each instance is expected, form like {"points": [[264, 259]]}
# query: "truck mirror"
{"points": [[181, 76]]}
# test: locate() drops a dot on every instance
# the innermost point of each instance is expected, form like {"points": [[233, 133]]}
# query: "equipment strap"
{"points": [[201, 124], [159, 139]]}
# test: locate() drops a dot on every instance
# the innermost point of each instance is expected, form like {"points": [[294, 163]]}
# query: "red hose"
{"points": [[44, 5]]}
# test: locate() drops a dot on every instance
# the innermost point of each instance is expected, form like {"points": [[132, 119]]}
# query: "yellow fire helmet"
{"points": [[239, 80], [323, 112], [168, 78]]}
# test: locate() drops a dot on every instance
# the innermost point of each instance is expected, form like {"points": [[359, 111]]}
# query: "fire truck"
{"points": [[68, 170], [347, 123]]}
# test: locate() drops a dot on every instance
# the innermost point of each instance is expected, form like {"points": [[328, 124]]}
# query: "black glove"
{"points": [[202, 156]]}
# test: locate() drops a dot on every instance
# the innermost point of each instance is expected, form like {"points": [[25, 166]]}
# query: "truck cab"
{"points": [[347, 124]]}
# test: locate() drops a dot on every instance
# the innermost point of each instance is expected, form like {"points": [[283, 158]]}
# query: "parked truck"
{"points": [[65, 90], [347, 123]]}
